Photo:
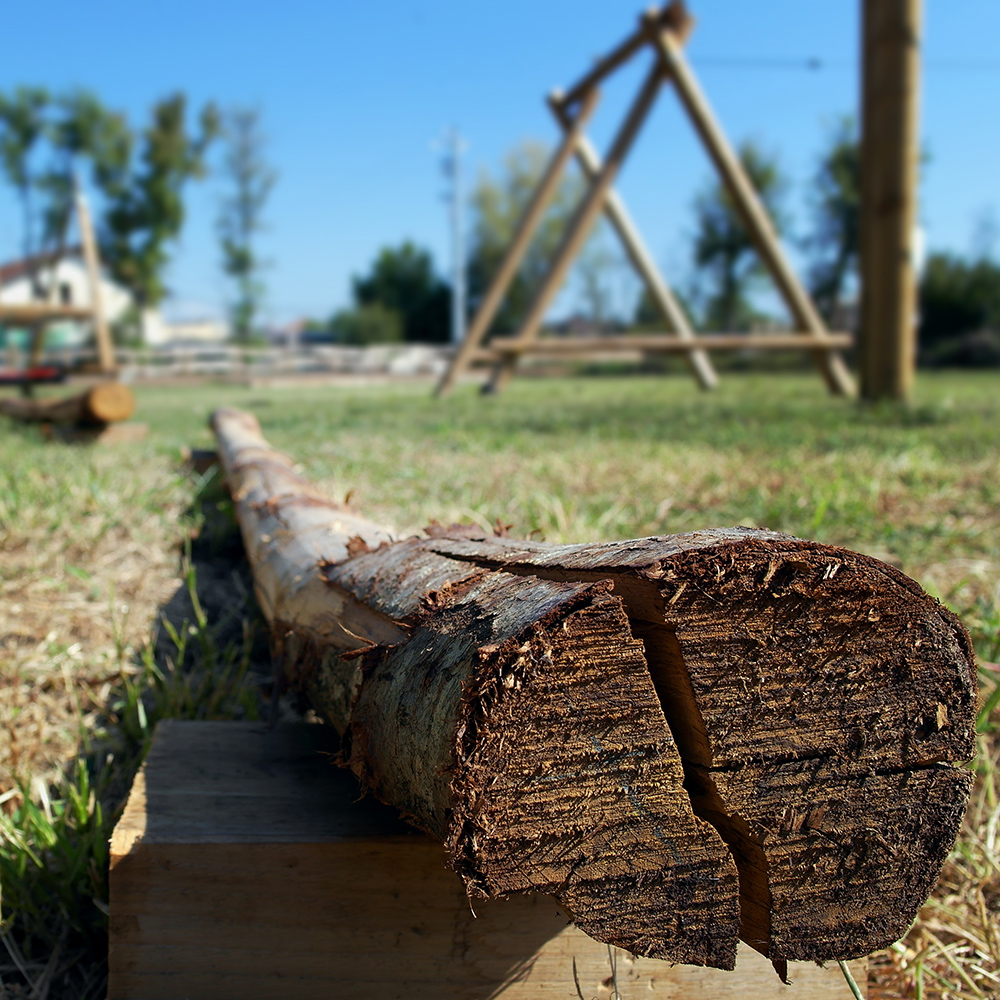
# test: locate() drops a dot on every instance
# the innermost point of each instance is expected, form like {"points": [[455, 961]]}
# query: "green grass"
{"points": [[576, 460], [90, 544]]}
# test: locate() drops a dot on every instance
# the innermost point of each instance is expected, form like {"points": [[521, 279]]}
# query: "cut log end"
{"points": [[105, 403], [109, 402], [837, 699]]}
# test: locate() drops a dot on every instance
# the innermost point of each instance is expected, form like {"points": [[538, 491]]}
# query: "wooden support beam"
{"points": [[804, 313], [583, 220], [540, 201], [665, 344], [642, 260], [102, 336], [678, 737], [674, 17], [32, 313], [889, 167]]}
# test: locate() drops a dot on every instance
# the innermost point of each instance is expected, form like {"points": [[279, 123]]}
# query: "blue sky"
{"points": [[354, 94]]}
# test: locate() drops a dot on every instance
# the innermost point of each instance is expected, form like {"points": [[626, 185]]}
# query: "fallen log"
{"points": [[685, 739], [102, 404]]}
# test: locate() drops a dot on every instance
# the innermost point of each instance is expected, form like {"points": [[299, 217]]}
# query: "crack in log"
{"points": [[645, 610], [665, 661]]}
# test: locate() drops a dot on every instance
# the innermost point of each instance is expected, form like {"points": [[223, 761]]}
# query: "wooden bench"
{"points": [[246, 865]]}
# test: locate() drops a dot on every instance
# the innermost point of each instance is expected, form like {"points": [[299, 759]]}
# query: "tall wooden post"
{"points": [[105, 349], [889, 158]]}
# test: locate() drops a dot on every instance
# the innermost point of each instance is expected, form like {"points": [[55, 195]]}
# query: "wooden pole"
{"points": [[540, 201], [103, 404], [105, 349], [582, 222], [662, 343], [630, 726], [889, 161], [674, 17], [804, 314], [40, 312], [642, 260]]}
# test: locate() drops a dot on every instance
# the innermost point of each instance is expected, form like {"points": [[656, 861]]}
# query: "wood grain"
{"points": [[246, 864]]}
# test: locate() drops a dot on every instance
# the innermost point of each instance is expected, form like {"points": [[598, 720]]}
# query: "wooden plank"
{"points": [[582, 222], [245, 864], [641, 258], [665, 343], [890, 154], [40, 312], [105, 349], [540, 201], [753, 213]]}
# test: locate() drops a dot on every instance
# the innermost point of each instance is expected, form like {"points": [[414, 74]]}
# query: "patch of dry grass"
{"points": [[90, 542], [953, 948], [88, 551]]}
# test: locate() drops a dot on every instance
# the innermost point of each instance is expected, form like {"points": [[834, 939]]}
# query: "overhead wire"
{"points": [[815, 63]]}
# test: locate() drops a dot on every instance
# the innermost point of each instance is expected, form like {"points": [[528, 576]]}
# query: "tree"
{"points": [[960, 310], [723, 250], [144, 203], [82, 130], [250, 180], [595, 265], [403, 279], [23, 127], [836, 216], [44, 142], [367, 324], [498, 204]]}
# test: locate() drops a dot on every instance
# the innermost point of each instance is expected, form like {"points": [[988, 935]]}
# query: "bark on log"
{"points": [[103, 404], [685, 739]]}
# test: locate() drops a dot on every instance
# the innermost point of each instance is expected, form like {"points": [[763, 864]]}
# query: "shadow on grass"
{"points": [[207, 657]]}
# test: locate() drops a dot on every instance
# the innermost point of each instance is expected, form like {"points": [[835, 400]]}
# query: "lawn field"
{"points": [[123, 597]]}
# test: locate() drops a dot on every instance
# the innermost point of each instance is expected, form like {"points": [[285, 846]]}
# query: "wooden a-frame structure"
{"points": [[665, 31], [37, 315]]}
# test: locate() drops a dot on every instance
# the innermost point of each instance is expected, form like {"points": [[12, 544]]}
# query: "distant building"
{"points": [[158, 332], [72, 287]]}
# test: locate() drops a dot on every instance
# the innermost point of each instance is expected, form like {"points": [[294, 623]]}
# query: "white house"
{"points": [[69, 275], [73, 288]]}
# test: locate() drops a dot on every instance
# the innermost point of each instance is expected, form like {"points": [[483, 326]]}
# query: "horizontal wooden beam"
{"points": [[559, 346], [41, 312], [674, 17]]}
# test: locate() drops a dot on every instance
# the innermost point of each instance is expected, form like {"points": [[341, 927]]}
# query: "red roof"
{"points": [[15, 269]]}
